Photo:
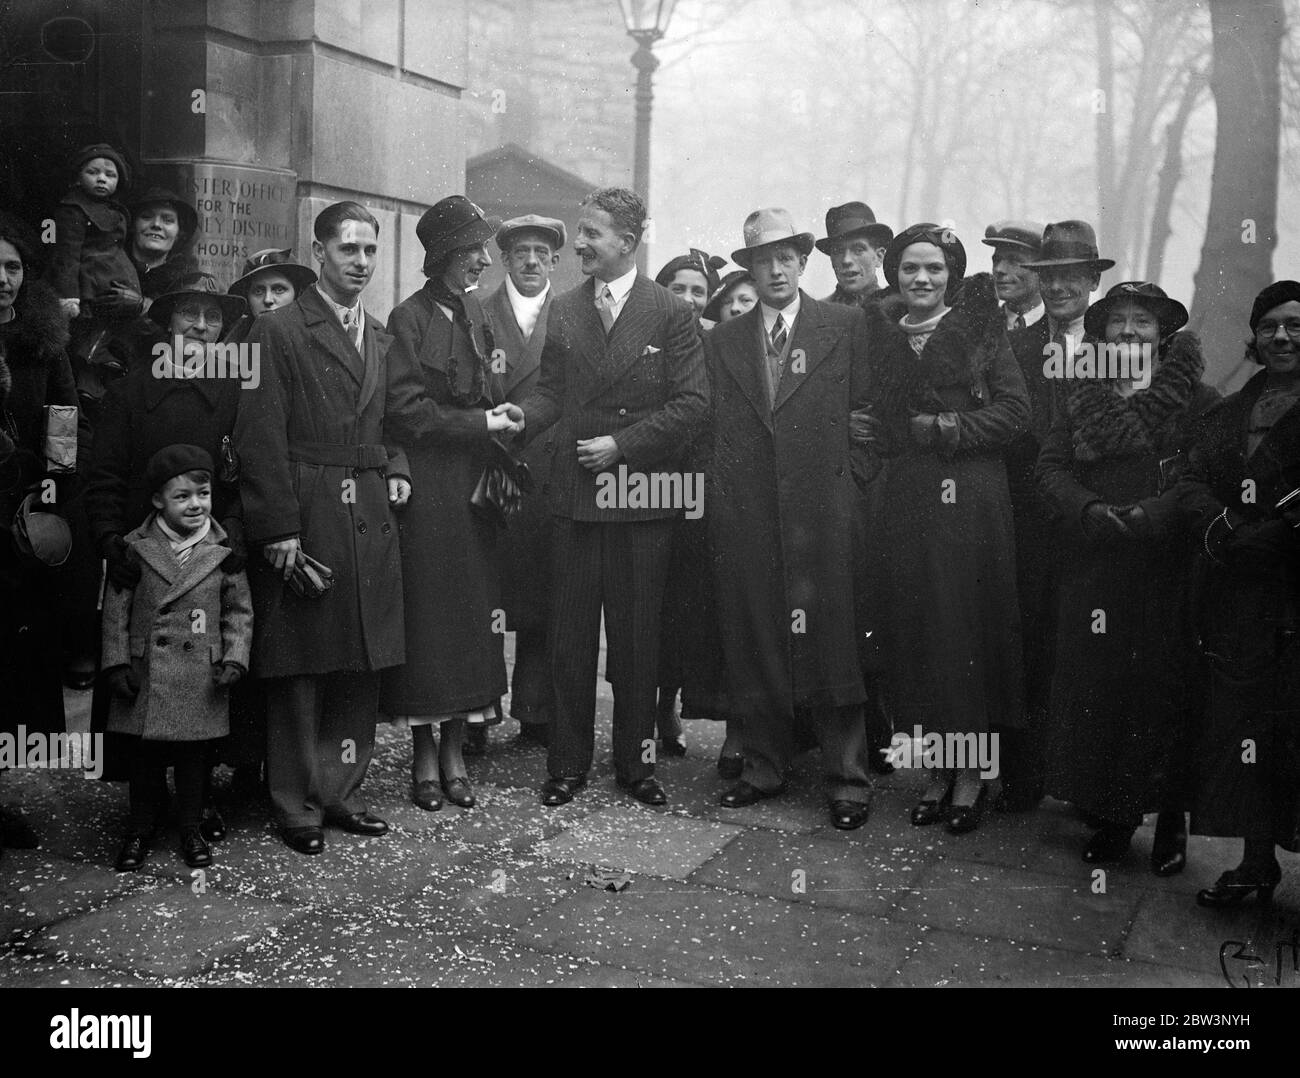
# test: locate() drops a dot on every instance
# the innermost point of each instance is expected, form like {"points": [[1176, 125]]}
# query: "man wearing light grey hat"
{"points": [[518, 312]]}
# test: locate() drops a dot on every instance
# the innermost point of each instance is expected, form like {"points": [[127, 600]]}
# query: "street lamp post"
{"points": [[646, 22]]}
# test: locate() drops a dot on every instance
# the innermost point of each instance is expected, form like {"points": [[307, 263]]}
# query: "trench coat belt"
{"points": [[339, 455]]}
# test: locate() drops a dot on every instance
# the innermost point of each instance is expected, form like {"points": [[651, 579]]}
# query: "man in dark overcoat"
{"points": [[1064, 258], [623, 383], [317, 479], [517, 313], [785, 517]]}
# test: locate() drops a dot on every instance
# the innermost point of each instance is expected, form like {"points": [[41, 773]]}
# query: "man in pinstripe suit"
{"points": [[622, 391]]}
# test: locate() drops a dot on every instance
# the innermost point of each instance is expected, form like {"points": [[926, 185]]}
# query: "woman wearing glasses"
{"points": [[1241, 489], [1124, 703]]}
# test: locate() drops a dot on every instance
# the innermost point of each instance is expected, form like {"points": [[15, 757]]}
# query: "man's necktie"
{"points": [[778, 335], [352, 327], [1020, 322], [605, 306]]}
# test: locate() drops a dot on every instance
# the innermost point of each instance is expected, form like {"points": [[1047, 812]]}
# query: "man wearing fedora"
{"points": [[1068, 269], [317, 479], [1014, 243], [786, 519], [518, 312], [855, 243], [622, 384]]}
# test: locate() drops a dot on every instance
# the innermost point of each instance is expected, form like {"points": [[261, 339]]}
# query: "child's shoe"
{"points": [[135, 848], [194, 848]]}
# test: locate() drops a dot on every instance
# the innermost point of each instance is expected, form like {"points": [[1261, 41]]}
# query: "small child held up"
{"points": [[90, 269], [172, 647]]}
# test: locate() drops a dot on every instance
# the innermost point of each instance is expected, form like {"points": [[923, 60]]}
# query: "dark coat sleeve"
{"points": [[1065, 496], [65, 264], [110, 466], [271, 510], [1007, 413], [661, 435]]}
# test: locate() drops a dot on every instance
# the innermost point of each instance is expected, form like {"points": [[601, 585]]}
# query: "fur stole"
{"points": [[1104, 424], [39, 331], [959, 351]]}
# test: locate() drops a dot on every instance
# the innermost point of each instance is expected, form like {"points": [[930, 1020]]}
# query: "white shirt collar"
{"points": [[619, 287], [1030, 316], [788, 314], [344, 314], [527, 309]]}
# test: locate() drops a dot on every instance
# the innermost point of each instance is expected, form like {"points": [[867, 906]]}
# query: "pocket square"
{"points": [[650, 350]]}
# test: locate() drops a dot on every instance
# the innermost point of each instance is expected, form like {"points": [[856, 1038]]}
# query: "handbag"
{"points": [[310, 579], [60, 444], [499, 493]]}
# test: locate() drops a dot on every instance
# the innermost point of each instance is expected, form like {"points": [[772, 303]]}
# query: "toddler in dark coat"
{"points": [[173, 646]]}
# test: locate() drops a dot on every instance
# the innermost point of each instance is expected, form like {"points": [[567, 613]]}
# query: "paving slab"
{"points": [[168, 933], [19, 970], [705, 935], [640, 840], [813, 869], [36, 890], [1024, 906], [944, 959]]}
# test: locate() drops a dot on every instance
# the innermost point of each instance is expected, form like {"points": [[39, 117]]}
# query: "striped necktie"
{"points": [[352, 327], [605, 305], [1019, 322], [778, 335]]}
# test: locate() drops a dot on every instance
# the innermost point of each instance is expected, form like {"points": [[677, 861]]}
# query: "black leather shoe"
{"points": [[133, 853], [1110, 843], [1237, 884], [647, 791], [308, 840], [358, 823], [743, 794], [476, 741], [457, 791], [731, 766], [673, 746], [964, 818], [195, 849], [427, 795], [213, 827], [849, 815], [560, 791]]}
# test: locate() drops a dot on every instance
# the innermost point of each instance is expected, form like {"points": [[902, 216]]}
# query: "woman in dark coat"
{"points": [[455, 664], [34, 372], [153, 407], [1240, 490], [949, 404], [1124, 704]]}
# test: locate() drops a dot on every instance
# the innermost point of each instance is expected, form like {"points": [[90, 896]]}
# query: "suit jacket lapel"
{"points": [[374, 347], [811, 343], [522, 357], [743, 356], [328, 333], [627, 335]]}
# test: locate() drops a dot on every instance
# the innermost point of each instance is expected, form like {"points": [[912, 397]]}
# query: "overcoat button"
{"points": [[362, 527], [546, 488], [161, 641], [622, 411], [356, 473], [187, 646], [386, 528], [839, 470]]}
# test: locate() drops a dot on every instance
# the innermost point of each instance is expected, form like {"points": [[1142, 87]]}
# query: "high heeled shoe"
{"points": [[927, 812], [1169, 852], [965, 818], [1238, 884]]}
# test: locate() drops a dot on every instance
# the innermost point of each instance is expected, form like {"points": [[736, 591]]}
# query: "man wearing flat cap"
{"points": [[1068, 268], [855, 242], [1014, 243], [319, 479], [622, 390], [518, 312], [786, 519]]}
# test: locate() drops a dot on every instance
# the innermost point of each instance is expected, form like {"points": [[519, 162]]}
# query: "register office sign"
{"points": [[241, 211]]}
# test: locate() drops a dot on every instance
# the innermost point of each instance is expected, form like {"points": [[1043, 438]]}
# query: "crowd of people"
{"points": [[987, 507]]}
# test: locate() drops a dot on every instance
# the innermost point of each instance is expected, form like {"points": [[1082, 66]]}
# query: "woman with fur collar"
{"points": [[34, 372], [949, 399], [1125, 700]]}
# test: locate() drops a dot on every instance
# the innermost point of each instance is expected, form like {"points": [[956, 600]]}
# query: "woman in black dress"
{"points": [[455, 671]]}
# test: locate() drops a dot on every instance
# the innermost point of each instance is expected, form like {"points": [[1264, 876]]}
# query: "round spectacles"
{"points": [[1266, 331]]}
